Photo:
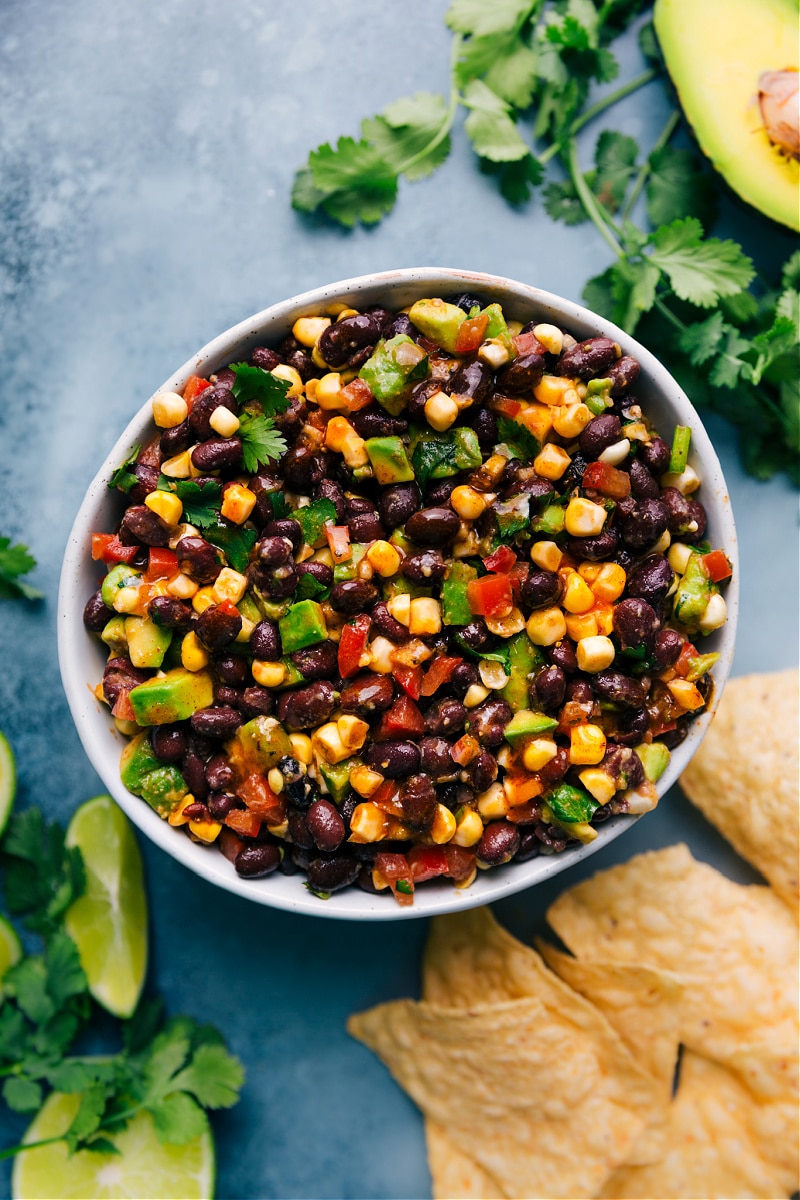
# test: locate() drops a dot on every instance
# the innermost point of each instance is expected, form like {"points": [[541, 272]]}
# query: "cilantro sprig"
{"points": [[732, 343], [16, 561], [262, 396]]}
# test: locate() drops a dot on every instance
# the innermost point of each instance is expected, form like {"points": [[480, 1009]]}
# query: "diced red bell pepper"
{"points": [[261, 800], [490, 596], [717, 566], [357, 395], [607, 480], [352, 644], [195, 384], [426, 862], [402, 721], [339, 542], [460, 862], [521, 786], [527, 343], [471, 333], [409, 678], [123, 709], [683, 664], [107, 548], [387, 799], [244, 821], [501, 560], [506, 406], [162, 564], [440, 671], [395, 870], [230, 843]]}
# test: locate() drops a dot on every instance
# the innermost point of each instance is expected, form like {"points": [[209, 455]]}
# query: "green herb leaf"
{"points": [[16, 561], [313, 518], [200, 501], [255, 384], [519, 440], [261, 441], [430, 453], [562, 203], [42, 876], [679, 186], [22, 1095], [235, 541], [405, 131], [309, 588], [699, 269], [489, 125], [615, 162], [123, 478], [701, 340], [351, 183]]}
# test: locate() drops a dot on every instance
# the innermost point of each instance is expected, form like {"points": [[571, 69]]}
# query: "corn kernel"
{"points": [[400, 607], [243, 636], [686, 694], [441, 411], [384, 558], [354, 452], [678, 557], [571, 419], [182, 587], [308, 330], [594, 653], [443, 825], [229, 585], [179, 467], [493, 803], [301, 747], [381, 655], [598, 784], [616, 453], [551, 462], [578, 596], [609, 583], [169, 409], [337, 429], [492, 674], [268, 674], [328, 745], [538, 752], [551, 389], [181, 531], [546, 555], [166, 505], [581, 625], [716, 614], [476, 694], [176, 817], [546, 626], [469, 829], [194, 655], [368, 823], [329, 392], [126, 600], [587, 745], [663, 543], [205, 831], [276, 781], [589, 571], [365, 781], [203, 598], [550, 337], [291, 376], [584, 518], [425, 616], [686, 482], [604, 618], [494, 353], [353, 732], [223, 421], [468, 503], [279, 831], [507, 626]]}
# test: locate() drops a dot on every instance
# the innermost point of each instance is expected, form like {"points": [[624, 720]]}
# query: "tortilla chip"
{"points": [[456, 1176], [744, 777], [547, 1102], [771, 1077], [734, 948], [717, 1151]]}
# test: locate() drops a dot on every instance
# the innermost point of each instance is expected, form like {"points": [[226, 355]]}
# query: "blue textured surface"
{"points": [[146, 156]]}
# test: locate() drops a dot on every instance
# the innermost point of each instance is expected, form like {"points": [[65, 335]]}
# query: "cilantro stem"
{"points": [[449, 116], [12, 1150], [596, 109], [646, 169], [667, 312], [588, 200]]}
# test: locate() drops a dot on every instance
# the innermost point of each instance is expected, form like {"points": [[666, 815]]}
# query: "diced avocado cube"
{"points": [[655, 759], [114, 635], [526, 723], [524, 658], [120, 576], [258, 746], [389, 460], [439, 321], [249, 609], [337, 777], [348, 570], [293, 676], [551, 521], [147, 642], [171, 697], [394, 365], [468, 449], [304, 625], [160, 784], [455, 605]]}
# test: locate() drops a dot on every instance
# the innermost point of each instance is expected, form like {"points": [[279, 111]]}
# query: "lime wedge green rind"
{"points": [[143, 1168], [109, 922], [8, 782], [10, 948]]}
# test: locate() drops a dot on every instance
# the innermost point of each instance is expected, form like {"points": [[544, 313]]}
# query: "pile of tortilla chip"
{"points": [[657, 1059]]}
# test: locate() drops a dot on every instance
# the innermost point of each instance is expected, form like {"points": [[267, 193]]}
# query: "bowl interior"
{"points": [[81, 655]]}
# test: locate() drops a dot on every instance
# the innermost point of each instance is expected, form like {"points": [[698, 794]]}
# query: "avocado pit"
{"points": [[779, 102]]}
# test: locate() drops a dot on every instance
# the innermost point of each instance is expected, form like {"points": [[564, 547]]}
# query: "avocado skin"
{"points": [[171, 697], [715, 52]]}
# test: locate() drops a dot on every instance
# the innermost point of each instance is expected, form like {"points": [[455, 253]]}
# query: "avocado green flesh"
{"points": [[715, 52], [159, 784], [171, 697]]}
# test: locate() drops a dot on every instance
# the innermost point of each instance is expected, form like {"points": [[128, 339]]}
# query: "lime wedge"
{"points": [[144, 1167], [8, 782], [109, 922], [10, 948]]}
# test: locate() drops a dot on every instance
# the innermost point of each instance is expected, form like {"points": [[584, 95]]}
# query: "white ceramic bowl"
{"points": [[81, 655]]}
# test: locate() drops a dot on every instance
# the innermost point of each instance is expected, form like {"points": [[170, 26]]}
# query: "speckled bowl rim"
{"points": [[81, 657]]}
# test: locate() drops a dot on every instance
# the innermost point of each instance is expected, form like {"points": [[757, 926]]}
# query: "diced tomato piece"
{"points": [[162, 564], [506, 406], [402, 721], [228, 608], [243, 821], [387, 799], [123, 707], [409, 678], [109, 549], [426, 862], [683, 665], [465, 749], [717, 566], [607, 480], [339, 542], [395, 870], [460, 862], [501, 560], [261, 800], [195, 384], [527, 343], [352, 644], [471, 333], [490, 596], [357, 394], [440, 671], [518, 574]]}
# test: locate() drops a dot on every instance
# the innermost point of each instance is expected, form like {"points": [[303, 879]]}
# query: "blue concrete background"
{"points": [[147, 151]]}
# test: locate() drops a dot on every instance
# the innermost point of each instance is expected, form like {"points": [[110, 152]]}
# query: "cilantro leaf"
{"points": [[489, 125], [309, 588], [178, 1119], [261, 441], [678, 185], [517, 179], [405, 131], [14, 562], [699, 269], [479, 19], [519, 440], [313, 518], [22, 1095], [213, 1076], [615, 161], [200, 501], [234, 541], [42, 875], [351, 183], [701, 340], [562, 203], [123, 478], [256, 384]]}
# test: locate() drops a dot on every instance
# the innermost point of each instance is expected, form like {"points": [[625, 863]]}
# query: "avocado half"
{"points": [[720, 55]]}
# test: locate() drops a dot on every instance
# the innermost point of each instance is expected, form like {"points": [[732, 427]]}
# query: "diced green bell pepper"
{"points": [[598, 396], [304, 625], [524, 658], [337, 777], [550, 522], [693, 593], [571, 804], [120, 576], [389, 460], [393, 366], [455, 606]]}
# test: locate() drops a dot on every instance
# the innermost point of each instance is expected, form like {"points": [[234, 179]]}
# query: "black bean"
{"points": [[169, 613], [223, 694], [194, 773], [643, 485], [698, 517], [487, 722], [141, 524], [366, 527], [440, 491], [307, 707], [96, 613], [398, 503], [432, 526], [472, 379], [635, 622], [529, 845], [523, 374], [232, 669], [353, 596], [436, 758], [219, 773], [222, 803], [316, 662], [301, 469], [256, 701], [217, 627], [589, 359], [418, 801], [384, 623], [299, 833], [655, 455], [556, 768], [329, 489], [203, 406], [550, 687], [286, 529], [599, 434], [120, 675], [325, 825], [219, 722], [468, 301], [342, 340], [579, 691], [174, 441], [622, 374], [218, 454], [169, 742], [667, 648], [146, 482], [427, 566], [257, 859], [393, 759], [367, 694], [542, 588], [273, 551], [374, 422], [619, 689], [474, 635], [645, 525], [265, 641], [499, 843], [265, 358], [444, 718], [482, 771], [333, 873], [198, 559], [462, 679], [292, 419], [277, 582], [562, 655], [319, 571], [624, 766], [595, 549], [650, 579], [484, 423]]}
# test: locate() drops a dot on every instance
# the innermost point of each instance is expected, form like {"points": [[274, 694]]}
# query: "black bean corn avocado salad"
{"points": [[411, 594]]}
